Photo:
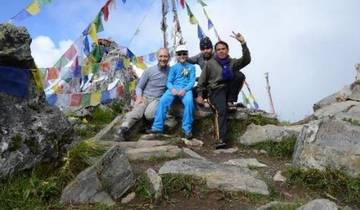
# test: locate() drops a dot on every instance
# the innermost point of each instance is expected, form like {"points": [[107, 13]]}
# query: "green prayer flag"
{"points": [[98, 22], [85, 100]]}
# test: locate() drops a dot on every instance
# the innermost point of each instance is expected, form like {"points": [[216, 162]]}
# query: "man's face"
{"points": [[221, 51], [163, 58], [207, 52], [182, 56]]}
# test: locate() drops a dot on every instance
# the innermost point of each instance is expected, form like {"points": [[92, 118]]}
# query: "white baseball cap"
{"points": [[181, 48]]}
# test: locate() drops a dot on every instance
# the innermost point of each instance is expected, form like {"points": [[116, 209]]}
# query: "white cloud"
{"points": [[45, 52]]}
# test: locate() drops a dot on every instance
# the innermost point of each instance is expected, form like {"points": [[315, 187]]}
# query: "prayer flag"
{"points": [[51, 99], [70, 53], [92, 32], [75, 99], [14, 81], [192, 18], [98, 22], [210, 24], [37, 79], [85, 100], [52, 73], [34, 7], [200, 32], [202, 3], [105, 97], [182, 3], [95, 98]]}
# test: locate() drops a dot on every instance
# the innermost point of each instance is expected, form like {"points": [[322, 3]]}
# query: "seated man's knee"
{"points": [[240, 76]]}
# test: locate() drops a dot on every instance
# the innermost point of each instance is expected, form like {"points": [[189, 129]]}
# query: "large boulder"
{"points": [[30, 131], [329, 143], [255, 133], [217, 176], [337, 109], [319, 204], [107, 180]]}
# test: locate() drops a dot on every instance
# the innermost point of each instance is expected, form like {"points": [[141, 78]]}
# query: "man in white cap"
{"points": [[180, 81]]}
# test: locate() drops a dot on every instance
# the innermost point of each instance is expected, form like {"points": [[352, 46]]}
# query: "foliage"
{"points": [[143, 187], [41, 187], [101, 116], [352, 121], [284, 148], [179, 183], [333, 182]]}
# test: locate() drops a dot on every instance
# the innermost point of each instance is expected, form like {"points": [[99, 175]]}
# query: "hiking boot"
{"points": [[152, 131], [188, 135], [120, 135], [221, 144]]}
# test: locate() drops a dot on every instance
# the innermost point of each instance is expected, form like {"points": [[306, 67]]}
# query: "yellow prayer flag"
{"points": [[126, 63], [37, 79], [95, 98], [92, 32], [132, 85], [34, 7], [193, 20]]}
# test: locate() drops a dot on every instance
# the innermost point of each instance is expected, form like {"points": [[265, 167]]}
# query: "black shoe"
{"points": [[221, 145], [120, 135], [151, 131]]}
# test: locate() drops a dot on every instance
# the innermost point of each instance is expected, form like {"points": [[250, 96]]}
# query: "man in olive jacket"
{"points": [[217, 78], [238, 79]]}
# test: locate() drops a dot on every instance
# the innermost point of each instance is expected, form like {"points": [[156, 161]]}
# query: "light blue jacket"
{"points": [[181, 76]]}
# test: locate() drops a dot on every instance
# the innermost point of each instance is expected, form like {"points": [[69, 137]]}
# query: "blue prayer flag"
{"points": [[14, 81], [105, 97]]}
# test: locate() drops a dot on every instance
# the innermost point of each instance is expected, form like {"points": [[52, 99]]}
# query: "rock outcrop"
{"points": [[329, 143], [217, 176], [104, 182], [256, 133], [31, 132]]}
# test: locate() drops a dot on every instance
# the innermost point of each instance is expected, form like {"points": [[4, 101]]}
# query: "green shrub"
{"points": [[333, 182]]}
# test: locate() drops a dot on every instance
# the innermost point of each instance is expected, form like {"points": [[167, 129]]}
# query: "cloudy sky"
{"points": [[309, 47]]}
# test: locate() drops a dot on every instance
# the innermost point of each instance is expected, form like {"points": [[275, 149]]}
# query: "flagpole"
{"points": [[163, 25], [269, 93], [177, 28]]}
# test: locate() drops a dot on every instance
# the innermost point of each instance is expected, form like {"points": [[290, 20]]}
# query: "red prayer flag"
{"points": [[120, 90], [105, 66], [70, 53], [52, 73], [182, 3], [75, 99], [105, 9]]}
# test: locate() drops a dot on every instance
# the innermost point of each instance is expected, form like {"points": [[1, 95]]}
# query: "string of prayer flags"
{"points": [[31, 10], [14, 81]]}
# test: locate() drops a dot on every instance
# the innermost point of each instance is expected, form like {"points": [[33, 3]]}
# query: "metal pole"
{"points": [[269, 93]]}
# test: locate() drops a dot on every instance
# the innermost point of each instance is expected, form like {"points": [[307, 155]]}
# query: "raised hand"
{"points": [[238, 37]]}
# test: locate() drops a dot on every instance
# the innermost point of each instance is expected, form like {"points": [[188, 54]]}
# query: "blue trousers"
{"points": [[165, 102]]}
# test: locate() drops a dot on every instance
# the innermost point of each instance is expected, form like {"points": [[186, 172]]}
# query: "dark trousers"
{"points": [[218, 103], [235, 85]]}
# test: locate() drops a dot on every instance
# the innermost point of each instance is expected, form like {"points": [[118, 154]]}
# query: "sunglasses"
{"points": [[181, 53]]}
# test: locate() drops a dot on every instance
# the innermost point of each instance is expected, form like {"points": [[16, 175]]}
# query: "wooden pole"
{"points": [[163, 25], [269, 93]]}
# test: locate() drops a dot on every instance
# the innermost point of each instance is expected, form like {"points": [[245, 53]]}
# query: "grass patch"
{"points": [[41, 187], [143, 187], [284, 148], [336, 183], [102, 116], [180, 183]]}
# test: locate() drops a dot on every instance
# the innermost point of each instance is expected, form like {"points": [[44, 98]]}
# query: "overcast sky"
{"points": [[309, 47]]}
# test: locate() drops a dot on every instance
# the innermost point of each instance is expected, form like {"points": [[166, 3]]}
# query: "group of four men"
{"points": [[220, 81]]}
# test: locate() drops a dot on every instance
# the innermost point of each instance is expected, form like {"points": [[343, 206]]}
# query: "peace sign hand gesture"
{"points": [[238, 37]]}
